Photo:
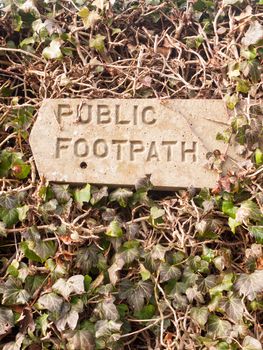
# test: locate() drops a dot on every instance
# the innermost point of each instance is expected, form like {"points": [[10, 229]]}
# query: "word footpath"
{"points": [[116, 142]]}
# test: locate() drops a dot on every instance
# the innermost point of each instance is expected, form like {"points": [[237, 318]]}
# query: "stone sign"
{"points": [[118, 141]]}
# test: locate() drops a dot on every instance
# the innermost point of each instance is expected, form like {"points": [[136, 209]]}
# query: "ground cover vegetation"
{"points": [[99, 268]]}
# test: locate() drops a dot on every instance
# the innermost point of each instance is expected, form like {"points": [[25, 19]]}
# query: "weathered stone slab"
{"points": [[114, 141]]}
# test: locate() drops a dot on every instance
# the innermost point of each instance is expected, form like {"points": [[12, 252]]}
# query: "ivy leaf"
{"points": [[50, 301], [106, 309], [29, 7], [121, 195], [10, 217], [200, 315], [250, 343], [22, 212], [114, 269], [257, 233], [87, 258], [231, 2], [168, 272], [83, 195], [69, 318], [144, 184], [53, 50], [75, 284], [62, 193], [136, 293], [97, 43], [42, 322], [89, 18], [80, 339], [146, 313], [250, 284], [13, 292], [146, 274], [38, 250], [254, 34], [225, 284], [233, 224], [229, 209], [106, 328], [218, 328], [3, 232], [258, 156], [15, 345], [158, 252], [6, 320], [114, 229], [233, 307], [20, 169], [98, 194], [249, 210]]}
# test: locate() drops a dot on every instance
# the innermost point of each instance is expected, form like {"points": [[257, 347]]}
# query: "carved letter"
{"points": [[119, 143], [135, 115], [169, 148], [118, 117], [133, 150], [103, 111], [64, 110], [84, 116], [100, 148], [81, 149], [152, 152], [192, 150], [59, 144], [144, 115]]}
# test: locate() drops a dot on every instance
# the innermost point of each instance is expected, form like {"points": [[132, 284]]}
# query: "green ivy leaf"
{"points": [[97, 43], [114, 229], [229, 209], [168, 272], [257, 233], [233, 224], [249, 285], [75, 284], [243, 86], [106, 309], [50, 301], [200, 315], [10, 217], [158, 252], [146, 274], [105, 328], [22, 212], [225, 284], [156, 213], [14, 293], [146, 313], [234, 307], [80, 339], [258, 157], [136, 293], [218, 328], [83, 195], [121, 195], [53, 51], [89, 18], [68, 319], [38, 250]]}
